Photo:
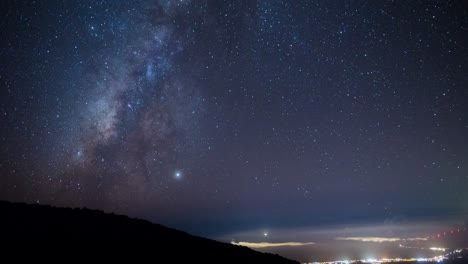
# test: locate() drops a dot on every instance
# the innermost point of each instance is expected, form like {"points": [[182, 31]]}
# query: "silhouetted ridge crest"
{"points": [[43, 222]]}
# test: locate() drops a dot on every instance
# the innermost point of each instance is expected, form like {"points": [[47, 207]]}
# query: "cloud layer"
{"points": [[267, 244], [381, 239]]}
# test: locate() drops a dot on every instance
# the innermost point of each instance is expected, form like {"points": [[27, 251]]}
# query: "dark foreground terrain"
{"points": [[161, 244]]}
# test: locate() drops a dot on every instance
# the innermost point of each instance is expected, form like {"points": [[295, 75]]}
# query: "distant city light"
{"points": [[390, 260]]}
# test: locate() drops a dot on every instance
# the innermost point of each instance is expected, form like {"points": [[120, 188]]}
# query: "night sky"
{"points": [[220, 117]]}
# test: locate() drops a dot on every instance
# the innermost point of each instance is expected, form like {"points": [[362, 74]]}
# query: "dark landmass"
{"points": [[28, 222]]}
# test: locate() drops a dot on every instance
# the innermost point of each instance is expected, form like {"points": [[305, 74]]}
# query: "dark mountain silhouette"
{"points": [[47, 223]]}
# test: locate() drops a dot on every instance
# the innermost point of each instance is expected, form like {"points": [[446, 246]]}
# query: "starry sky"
{"points": [[217, 117]]}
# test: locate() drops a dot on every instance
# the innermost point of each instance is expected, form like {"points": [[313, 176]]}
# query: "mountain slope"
{"points": [[46, 223]]}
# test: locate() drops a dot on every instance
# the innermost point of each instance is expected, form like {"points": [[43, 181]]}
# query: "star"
{"points": [[292, 103]]}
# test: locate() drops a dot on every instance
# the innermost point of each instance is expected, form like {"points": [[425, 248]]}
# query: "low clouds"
{"points": [[267, 244], [381, 239], [353, 241]]}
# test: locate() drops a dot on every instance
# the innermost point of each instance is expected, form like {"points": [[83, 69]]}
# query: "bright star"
{"points": [[178, 175]]}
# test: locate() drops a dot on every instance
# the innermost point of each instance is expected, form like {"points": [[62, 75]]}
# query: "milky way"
{"points": [[141, 111], [134, 110], [223, 116]]}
